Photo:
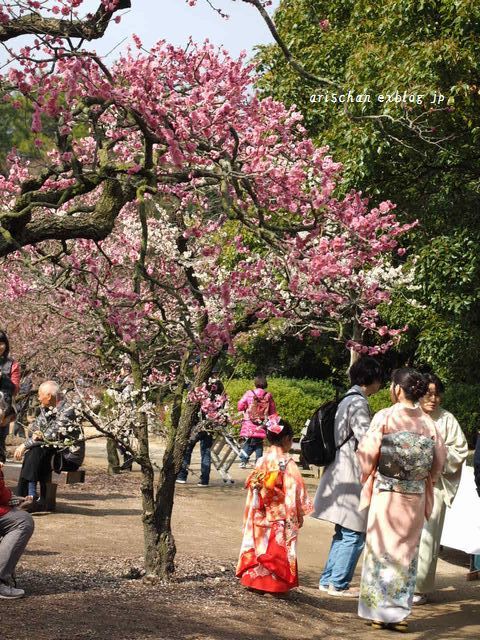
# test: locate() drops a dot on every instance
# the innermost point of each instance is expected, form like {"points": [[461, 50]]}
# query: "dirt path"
{"points": [[79, 562]]}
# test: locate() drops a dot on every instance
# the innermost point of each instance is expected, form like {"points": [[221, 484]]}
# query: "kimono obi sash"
{"points": [[405, 462]]}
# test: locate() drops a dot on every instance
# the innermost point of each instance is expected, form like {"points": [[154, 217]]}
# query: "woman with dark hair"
{"points": [[401, 456], [277, 502], [445, 488], [9, 385], [338, 494]]}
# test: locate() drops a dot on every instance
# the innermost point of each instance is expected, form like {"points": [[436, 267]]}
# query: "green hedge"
{"points": [[460, 399], [463, 400], [297, 399]]}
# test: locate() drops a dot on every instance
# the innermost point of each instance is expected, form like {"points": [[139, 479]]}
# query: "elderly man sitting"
{"points": [[16, 528], [55, 443]]}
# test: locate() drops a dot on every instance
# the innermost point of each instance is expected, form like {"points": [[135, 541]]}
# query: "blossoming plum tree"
{"points": [[176, 210]]}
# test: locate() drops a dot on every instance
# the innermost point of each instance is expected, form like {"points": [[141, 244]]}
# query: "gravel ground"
{"points": [[83, 575]]}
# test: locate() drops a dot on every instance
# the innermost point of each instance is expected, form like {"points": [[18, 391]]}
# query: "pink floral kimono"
{"points": [[277, 501], [401, 456]]}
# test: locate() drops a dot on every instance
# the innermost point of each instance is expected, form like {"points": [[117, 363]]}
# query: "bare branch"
{"points": [[293, 62]]}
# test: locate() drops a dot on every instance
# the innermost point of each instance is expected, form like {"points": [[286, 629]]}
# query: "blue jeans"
{"points": [[206, 441], [252, 445], [347, 545]]}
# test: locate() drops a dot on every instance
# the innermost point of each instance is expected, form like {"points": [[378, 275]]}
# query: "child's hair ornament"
{"points": [[273, 424]]}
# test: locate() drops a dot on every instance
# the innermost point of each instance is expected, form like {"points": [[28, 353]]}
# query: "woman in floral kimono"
{"points": [[401, 456], [276, 505]]}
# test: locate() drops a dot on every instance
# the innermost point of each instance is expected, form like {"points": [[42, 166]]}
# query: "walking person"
{"points": [[203, 433], [257, 405], [401, 457], [277, 503], [9, 386], [445, 487], [338, 494]]}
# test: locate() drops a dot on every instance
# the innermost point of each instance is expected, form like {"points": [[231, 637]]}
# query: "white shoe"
{"points": [[201, 484], [322, 587], [343, 593], [420, 598], [243, 465], [6, 591], [180, 481]]}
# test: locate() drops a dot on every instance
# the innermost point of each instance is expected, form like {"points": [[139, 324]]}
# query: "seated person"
{"points": [[16, 528], [55, 443]]}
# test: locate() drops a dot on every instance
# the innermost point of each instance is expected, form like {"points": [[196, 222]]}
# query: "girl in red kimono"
{"points": [[276, 505]]}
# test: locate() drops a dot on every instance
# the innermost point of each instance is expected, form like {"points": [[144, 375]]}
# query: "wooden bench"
{"points": [[11, 472]]}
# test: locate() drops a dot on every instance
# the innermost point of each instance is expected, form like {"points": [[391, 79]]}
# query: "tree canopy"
{"points": [[407, 146]]}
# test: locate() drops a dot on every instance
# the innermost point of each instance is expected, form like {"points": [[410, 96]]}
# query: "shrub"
{"points": [[463, 401], [380, 400], [295, 399], [460, 399]]}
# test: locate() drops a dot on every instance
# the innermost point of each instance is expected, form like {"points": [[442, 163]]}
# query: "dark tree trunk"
{"points": [[112, 457], [184, 416]]}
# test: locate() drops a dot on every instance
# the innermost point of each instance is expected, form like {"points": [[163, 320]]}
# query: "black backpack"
{"points": [[318, 444]]}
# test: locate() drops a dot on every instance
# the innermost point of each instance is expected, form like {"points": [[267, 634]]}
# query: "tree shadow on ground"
{"points": [[81, 495], [87, 509], [450, 624], [148, 616]]}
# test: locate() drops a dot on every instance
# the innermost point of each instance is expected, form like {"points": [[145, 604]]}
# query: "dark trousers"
{"points": [[36, 467], [206, 441], [3, 436]]}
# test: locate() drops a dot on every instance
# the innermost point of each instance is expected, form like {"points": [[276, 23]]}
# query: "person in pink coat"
{"points": [[257, 406]]}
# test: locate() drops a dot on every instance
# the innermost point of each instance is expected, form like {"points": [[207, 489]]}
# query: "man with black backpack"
{"points": [[338, 494]]}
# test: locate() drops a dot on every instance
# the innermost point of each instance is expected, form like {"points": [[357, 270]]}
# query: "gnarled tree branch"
{"points": [[90, 28]]}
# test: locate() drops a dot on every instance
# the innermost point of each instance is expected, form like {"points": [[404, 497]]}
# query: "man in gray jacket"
{"points": [[56, 443], [338, 494]]}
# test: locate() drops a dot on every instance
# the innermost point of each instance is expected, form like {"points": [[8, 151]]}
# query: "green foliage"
{"points": [[15, 132], [270, 352], [295, 399], [443, 308], [380, 400], [422, 48], [460, 399]]}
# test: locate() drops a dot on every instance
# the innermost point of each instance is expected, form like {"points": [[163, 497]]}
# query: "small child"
{"points": [[257, 405], [277, 502]]}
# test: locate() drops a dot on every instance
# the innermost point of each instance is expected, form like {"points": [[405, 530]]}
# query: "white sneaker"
{"points": [[201, 484], [180, 481], [420, 598], [343, 593], [243, 465], [322, 587], [6, 591]]}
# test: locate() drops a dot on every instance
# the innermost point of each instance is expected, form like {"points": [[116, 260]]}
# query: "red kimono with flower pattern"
{"points": [[277, 501]]}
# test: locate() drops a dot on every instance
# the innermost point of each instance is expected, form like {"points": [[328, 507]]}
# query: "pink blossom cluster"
{"points": [[214, 408], [242, 222]]}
